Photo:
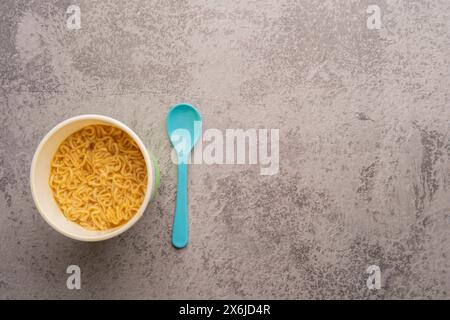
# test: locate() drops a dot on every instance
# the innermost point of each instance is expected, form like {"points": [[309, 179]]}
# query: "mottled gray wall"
{"points": [[364, 145]]}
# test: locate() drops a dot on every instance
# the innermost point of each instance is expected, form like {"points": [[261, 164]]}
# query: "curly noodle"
{"points": [[98, 177]]}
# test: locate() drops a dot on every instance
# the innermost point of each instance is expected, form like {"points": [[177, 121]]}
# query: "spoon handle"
{"points": [[180, 231]]}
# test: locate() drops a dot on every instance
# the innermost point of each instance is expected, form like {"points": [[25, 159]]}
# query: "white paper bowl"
{"points": [[40, 173]]}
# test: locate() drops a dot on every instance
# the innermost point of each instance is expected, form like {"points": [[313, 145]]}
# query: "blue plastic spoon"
{"points": [[184, 127]]}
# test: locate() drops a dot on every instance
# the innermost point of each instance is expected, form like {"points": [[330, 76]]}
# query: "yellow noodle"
{"points": [[98, 177]]}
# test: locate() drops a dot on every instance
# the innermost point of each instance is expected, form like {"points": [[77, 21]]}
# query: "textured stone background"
{"points": [[364, 145]]}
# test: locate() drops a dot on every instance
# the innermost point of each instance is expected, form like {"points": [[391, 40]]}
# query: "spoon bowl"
{"points": [[184, 121]]}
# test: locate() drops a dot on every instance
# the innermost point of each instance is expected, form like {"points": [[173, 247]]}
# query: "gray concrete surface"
{"points": [[364, 145]]}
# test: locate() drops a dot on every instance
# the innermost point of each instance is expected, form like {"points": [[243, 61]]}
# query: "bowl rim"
{"points": [[150, 177]]}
